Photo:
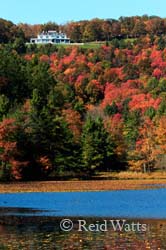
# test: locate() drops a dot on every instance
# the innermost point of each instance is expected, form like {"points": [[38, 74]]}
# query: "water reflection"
{"points": [[44, 233]]}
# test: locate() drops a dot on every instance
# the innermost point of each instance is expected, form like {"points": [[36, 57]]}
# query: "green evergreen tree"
{"points": [[97, 148], [4, 106], [162, 108], [50, 133], [111, 109], [161, 44], [150, 112], [12, 76], [19, 45], [131, 128]]}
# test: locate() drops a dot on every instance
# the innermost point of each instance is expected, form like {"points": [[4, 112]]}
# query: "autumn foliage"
{"points": [[9, 151], [77, 109]]}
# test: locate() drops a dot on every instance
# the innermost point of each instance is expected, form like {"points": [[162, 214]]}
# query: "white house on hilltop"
{"points": [[51, 36]]}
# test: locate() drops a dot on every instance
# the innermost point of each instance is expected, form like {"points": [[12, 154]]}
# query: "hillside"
{"points": [[84, 109]]}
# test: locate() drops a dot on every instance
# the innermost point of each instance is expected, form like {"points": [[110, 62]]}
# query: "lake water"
{"points": [[107, 220]]}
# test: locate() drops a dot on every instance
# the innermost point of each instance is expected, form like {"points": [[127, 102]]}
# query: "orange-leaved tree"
{"points": [[9, 155], [143, 157], [150, 148]]}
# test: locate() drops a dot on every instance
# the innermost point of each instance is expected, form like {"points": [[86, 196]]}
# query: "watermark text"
{"points": [[121, 225]]}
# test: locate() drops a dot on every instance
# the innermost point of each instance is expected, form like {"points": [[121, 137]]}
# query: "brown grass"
{"points": [[113, 181], [60, 186], [127, 175]]}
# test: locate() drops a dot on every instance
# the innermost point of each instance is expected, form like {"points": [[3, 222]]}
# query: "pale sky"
{"points": [[61, 11]]}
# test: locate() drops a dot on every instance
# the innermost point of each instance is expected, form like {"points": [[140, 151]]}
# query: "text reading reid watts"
{"points": [[102, 226]]}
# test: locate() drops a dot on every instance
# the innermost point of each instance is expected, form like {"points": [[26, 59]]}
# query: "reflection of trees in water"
{"points": [[47, 235]]}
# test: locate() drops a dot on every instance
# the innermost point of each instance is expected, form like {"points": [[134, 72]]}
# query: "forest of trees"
{"points": [[87, 30], [69, 109]]}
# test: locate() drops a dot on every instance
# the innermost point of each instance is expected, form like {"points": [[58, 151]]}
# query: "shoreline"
{"points": [[83, 185]]}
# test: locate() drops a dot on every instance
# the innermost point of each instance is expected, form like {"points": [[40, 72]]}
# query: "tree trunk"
{"points": [[144, 168]]}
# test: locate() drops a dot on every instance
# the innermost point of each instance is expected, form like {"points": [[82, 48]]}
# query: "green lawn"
{"points": [[90, 45]]}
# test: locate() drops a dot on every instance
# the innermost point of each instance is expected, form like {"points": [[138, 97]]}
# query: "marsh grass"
{"points": [[66, 186]]}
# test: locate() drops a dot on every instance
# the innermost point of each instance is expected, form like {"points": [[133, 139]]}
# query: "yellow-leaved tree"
{"points": [[150, 148]]}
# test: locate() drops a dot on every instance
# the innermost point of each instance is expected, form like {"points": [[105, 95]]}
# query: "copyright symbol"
{"points": [[66, 225]]}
